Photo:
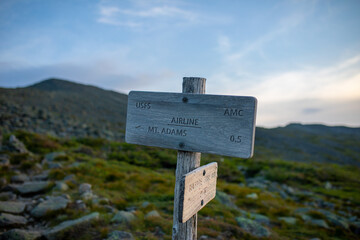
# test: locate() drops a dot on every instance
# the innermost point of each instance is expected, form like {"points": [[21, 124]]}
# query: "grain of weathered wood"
{"points": [[186, 162], [198, 187], [217, 124]]}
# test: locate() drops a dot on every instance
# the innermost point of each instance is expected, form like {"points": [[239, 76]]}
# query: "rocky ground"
{"points": [[34, 119], [32, 197], [94, 189]]}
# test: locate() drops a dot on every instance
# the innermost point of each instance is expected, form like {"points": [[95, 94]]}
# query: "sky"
{"points": [[299, 58]]}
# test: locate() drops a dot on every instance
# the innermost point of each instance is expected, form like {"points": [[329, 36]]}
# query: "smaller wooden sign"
{"points": [[197, 188]]}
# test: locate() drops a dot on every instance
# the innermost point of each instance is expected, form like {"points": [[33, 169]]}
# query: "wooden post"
{"points": [[186, 162]]}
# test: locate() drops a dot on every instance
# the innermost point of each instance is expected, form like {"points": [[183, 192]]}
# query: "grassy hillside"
{"points": [[256, 199], [311, 143]]}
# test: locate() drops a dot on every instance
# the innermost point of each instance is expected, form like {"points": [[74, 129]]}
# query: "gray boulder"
{"points": [[7, 196], [252, 227], [16, 145], [31, 187], [12, 207], [61, 186], [50, 205], [120, 235], [85, 191], [123, 217], [42, 176], [54, 165], [9, 220], [51, 156], [71, 227], [19, 178], [252, 196], [20, 234], [152, 213], [84, 188]]}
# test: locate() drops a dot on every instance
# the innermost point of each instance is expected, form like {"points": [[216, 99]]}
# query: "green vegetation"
{"points": [[142, 178]]}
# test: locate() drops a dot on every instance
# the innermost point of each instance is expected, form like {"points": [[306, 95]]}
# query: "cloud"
{"points": [[140, 14], [340, 81], [311, 110], [329, 94], [286, 24], [329, 112], [224, 44]]}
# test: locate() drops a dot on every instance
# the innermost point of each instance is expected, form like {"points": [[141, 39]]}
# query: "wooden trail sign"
{"points": [[217, 124], [192, 123], [198, 187]]}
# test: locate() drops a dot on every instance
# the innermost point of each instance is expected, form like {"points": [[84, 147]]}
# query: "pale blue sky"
{"points": [[300, 58]]}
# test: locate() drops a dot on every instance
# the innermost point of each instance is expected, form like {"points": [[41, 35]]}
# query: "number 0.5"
{"points": [[236, 139]]}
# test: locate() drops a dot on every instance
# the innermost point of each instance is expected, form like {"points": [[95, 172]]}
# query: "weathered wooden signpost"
{"points": [[192, 122]]}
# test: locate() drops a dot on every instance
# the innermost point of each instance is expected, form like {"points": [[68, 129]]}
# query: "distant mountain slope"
{"points": [[64, 108], [309, 143]]}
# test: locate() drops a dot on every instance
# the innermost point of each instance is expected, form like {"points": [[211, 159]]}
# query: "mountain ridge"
{"points": [[68, 109]]}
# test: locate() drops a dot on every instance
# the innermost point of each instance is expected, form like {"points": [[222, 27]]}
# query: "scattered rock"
{"points": [[31, 187], [288, 220], [41, 177], [4, 160], [61, 186], [19, 178], [7, 196], [54, 165], [145, 204], [203, 237], [305, 217], [110, 209], [252, 196], [259, 185], [65, 228], [252, 227], [70, 177], [335, 219], [20, 234], [9, 220], [328, 185], [16, 145], [288, 189], [153, 213], [50, 205], [12, 207], [85, 191], [80, 205], [123, 217], [225, 199], [51, 156], [88, 196], [318, 222], [260, 218], [283, 194], [84, 188], [120, 235]]}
